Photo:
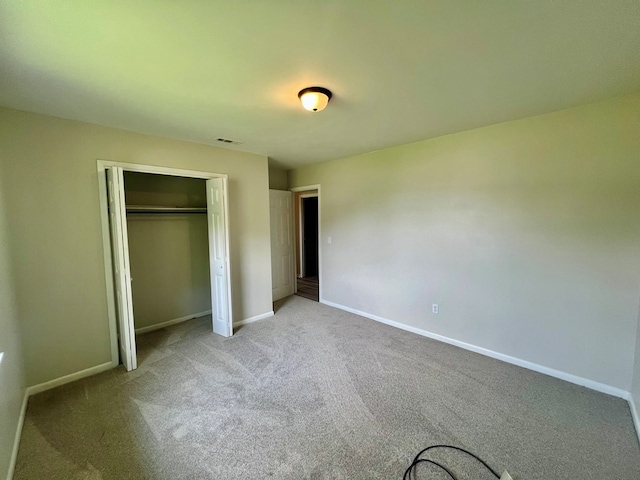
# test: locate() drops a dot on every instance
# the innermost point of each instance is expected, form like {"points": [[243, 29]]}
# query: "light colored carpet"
{"points": [[318, 393]]}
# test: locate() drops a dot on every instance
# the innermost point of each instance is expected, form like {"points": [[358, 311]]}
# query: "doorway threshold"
{"points": [[308, 287]]}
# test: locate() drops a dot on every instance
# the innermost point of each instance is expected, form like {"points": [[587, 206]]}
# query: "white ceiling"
{"points": [[399, 71]]}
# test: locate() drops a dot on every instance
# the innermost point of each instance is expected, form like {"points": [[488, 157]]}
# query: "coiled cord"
{"points": [[417, 460]]}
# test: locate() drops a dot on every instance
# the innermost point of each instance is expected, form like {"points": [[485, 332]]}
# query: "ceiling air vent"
{"points": [[226, 140]]}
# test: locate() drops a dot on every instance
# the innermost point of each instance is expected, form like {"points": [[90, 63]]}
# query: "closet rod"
{"points": [[158, 209]]}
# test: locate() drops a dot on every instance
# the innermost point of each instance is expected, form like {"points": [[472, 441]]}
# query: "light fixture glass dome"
{"points": [[314, 99]]}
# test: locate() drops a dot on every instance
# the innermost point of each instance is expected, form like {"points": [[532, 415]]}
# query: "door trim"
{"points": [[319, 195], [106, 239]]}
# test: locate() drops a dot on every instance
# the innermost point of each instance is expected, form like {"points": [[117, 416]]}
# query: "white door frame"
{"points": [[307, 188], [106, 238]]}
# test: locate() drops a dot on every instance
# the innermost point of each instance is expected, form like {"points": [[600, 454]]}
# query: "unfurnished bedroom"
{"points": [[319, 240]]}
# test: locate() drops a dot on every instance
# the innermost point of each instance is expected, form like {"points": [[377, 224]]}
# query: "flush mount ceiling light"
{"points": [[314, 99]]}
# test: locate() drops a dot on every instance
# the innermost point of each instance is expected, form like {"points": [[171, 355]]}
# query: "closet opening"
{"points": [[165, 233], [168, 250]]}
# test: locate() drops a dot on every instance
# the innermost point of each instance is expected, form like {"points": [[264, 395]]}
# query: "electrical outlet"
{"points": [[435, 308], [506, 476]]}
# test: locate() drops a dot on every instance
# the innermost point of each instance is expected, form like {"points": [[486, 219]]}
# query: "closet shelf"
{"points": [[158, 209]]}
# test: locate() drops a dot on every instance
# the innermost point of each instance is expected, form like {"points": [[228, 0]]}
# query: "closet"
{"points": [[165, 233], [168, 243]]}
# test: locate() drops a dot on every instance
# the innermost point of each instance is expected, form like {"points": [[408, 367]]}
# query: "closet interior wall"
{"points": [[168, 251]]}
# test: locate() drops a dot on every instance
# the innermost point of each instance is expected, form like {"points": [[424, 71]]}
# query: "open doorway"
{"points": [[307, 224], [113, 207], [309, 218]]}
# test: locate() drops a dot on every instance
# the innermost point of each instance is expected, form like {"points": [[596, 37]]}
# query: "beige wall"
{"points": [[635, 387], [526, 233], [169, 253], [169, 266], [164, 190], [277, 179], [55, 230], [12, 378]]}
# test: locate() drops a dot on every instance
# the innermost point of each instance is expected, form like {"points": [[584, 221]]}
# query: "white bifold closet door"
{"points": [[219, 257], [121, 268], [218, 230]]}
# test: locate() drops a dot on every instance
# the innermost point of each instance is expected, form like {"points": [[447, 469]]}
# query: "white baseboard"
{"points": [[41, 387], [72, 377], [18, 435], [585, 382], [634, 415], [158, 326], [255, 318]]}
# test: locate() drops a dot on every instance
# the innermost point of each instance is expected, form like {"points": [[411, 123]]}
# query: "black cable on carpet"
{"points": [[417, 460]]}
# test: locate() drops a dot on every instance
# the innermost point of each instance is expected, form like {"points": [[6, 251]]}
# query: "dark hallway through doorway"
{"points": [[307, 284]]}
